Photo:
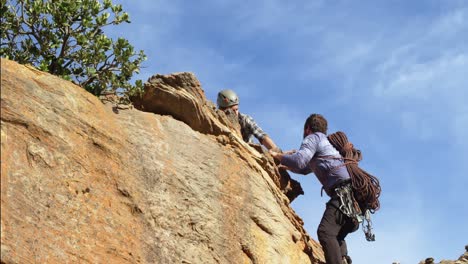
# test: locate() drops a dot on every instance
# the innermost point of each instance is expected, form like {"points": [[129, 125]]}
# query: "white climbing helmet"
{"points": [[227, 98]]}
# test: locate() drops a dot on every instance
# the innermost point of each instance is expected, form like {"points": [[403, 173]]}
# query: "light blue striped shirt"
{"points": [[317, 155]]}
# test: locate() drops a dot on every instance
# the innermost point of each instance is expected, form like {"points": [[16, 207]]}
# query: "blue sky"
{"points": [[391, 74]]}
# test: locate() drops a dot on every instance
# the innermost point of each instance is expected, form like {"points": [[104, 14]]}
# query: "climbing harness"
{"points": [[349, 207]]}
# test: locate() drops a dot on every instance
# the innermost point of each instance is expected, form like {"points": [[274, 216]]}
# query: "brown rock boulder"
{"points": [[84, 183], [180, 95]]}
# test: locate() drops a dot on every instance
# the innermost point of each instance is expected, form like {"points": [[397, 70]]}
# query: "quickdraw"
{"points": [[368, 227]]}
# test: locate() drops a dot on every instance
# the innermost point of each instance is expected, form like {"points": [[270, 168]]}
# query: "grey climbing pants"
{"points": [[332, 230]]}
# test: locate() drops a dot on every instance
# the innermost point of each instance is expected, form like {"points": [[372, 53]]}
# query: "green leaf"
{"points": [[107, 4], [69, 41]]}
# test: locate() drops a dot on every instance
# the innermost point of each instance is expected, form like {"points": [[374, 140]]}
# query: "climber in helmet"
{"points": [[229, 101], [318, 155]]}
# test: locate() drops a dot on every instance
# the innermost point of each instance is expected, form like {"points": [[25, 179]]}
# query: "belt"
{"points": [[340, 183]]}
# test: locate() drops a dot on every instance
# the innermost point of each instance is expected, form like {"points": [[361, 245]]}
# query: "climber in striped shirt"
{"points": [[228, 100]]}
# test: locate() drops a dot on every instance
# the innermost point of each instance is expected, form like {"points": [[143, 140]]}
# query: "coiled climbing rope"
{"points": [[366, 186]]}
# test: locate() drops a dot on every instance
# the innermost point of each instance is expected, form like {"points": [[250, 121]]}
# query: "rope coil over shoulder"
{"points": [[366, 186]]}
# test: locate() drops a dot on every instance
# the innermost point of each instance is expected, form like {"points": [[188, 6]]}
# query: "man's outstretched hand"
{"points": [[279, 155]]}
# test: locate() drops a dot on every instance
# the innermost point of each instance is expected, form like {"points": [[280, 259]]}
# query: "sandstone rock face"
{"points": [[83, 182], [180, 96]]}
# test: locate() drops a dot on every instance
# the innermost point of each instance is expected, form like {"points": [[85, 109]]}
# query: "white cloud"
{"points": [[423, 80], [451, 24], [428, 96], [444, 76], [274, 17], [435, 59]]}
